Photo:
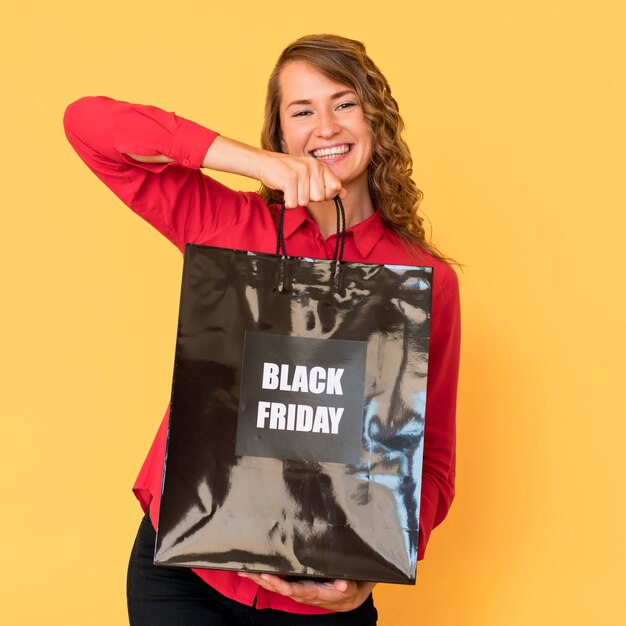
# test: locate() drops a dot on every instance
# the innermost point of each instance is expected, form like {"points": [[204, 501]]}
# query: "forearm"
{"points": [[224, 155], [235, 157]]}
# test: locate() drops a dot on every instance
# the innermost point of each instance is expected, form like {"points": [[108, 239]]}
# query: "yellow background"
{"points": [[515, 117]]}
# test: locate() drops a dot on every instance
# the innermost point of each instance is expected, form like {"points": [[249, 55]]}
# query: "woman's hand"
{"points": [[338, 595], [301, 179]]}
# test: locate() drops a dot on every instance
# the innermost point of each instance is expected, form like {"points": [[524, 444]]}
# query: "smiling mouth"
{"points": [[331, 153]]}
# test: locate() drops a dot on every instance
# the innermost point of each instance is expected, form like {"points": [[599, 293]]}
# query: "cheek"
{"points": [[294, 140], [369, 139], [363, 132], [368, 145]]}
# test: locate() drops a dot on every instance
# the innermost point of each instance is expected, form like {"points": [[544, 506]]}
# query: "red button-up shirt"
{"points": [[186, 205]]}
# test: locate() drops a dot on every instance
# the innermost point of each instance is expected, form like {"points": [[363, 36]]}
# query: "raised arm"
{"points": [[173, 195], [276, 170], [150, 159]]}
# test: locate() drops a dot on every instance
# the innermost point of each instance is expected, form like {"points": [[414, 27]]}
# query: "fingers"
{"points": [[290, 190], [338, 595], [340, 585], [303, 189], [312, 184], [332, 185], [317, 191], [271, 583], [301, 179]]}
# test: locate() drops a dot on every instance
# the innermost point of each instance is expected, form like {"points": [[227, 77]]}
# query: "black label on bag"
{"points": [[301, 398]]}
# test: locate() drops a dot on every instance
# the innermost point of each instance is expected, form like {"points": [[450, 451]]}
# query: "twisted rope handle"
{"points": [[341, 230]]}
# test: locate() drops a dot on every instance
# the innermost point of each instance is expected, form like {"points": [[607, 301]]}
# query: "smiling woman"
{"points": [[319, 118], [331, 128], [358, 84]]}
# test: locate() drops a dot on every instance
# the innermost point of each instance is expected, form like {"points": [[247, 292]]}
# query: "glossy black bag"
{"points": [[296, 426]]}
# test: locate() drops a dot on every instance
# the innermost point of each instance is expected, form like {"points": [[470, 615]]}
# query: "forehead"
{"points": [[299, 80]]}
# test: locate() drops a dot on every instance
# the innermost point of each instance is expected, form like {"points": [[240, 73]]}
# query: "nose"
{"points": [[327, 126]]}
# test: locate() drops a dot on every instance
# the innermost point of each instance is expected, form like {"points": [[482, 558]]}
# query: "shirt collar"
{"points": [[366, 234], [294, 218]]}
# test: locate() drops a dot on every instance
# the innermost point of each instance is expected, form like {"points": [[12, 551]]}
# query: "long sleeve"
{"points": [[179, 200], [438, 474]]}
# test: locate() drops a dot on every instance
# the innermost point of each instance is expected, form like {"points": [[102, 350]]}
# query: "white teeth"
{"points": [[331, 152]]}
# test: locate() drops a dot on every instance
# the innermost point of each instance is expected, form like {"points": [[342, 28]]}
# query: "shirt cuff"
{"points": [[190, 143]]}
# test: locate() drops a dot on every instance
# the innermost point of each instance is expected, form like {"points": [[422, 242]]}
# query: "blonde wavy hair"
{"points": [[345, 61]]}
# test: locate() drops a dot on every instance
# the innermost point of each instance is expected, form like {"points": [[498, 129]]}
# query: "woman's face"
{"points": [[324, 119]]}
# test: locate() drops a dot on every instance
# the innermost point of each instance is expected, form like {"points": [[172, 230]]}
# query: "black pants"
{"points": [[173, 596]]}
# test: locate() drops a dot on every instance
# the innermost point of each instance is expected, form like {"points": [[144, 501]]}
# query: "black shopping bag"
{"points": [[297, 417]]}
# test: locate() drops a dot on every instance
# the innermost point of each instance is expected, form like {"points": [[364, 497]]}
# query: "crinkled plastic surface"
{"points": [[296, 516]]}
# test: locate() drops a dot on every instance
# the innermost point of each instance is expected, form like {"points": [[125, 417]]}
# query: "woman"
{"points": [[331, 128]]}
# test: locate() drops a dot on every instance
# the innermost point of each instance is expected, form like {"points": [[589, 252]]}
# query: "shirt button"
{"points": [[186, 162]]}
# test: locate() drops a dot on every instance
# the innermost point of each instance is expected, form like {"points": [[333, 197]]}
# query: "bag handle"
{"points": [[341, 230]]}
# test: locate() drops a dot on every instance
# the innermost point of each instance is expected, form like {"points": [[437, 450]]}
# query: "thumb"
{"points": [[340, 585]]}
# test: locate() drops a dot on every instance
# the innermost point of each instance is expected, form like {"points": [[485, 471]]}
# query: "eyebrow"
{"points": [[339, 94]]}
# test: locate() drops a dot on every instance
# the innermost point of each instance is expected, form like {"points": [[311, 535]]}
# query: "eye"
{"points": [[346, 105], [301, 114]]}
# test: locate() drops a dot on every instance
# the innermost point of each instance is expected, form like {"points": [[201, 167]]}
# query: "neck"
{"points": [[357, 204]]}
